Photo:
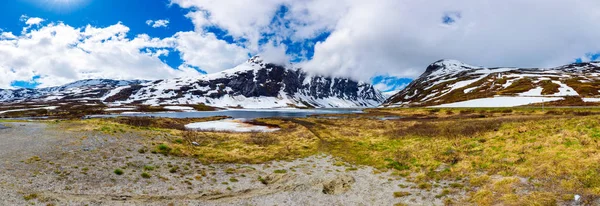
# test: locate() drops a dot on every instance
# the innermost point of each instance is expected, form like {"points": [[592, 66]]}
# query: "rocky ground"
{"points": [[45, 165]]}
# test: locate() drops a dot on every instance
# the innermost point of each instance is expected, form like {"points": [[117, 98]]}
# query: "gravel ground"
{"points": [[43, 165]]}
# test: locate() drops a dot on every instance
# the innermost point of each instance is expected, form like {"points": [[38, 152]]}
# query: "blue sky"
{"points": [[48, 42], [135, 14], [100, 13]]}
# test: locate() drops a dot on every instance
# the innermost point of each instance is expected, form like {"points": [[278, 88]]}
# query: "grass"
{"points": [[549, 87], [480, 151], [145, 175], [30, 196], [280, 171], [519, 86], [163, 123], [401, 194]]}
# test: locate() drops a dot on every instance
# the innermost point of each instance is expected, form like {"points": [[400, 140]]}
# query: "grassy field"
{"points": [[508, 156]]}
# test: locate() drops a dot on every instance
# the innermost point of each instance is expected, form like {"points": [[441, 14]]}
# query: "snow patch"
{"points": [[178, 108], [500, 101], [120, 109], [229, 125], [27, 109]]}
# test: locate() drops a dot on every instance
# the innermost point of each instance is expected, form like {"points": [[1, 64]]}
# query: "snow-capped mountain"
{"points": [[253, 84], [452, 83], [80, 90]]}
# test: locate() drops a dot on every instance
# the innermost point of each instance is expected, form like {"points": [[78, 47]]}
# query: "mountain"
{"points": [[83, 90], [253, 84], [451, 83]]}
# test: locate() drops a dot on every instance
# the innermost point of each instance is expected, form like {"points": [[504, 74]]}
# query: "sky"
{"points": [[387, 42]]}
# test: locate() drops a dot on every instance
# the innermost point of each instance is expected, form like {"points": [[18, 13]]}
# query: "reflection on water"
{"points": [[241, 113]]}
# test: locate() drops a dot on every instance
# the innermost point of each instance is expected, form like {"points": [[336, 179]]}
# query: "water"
{"points": [[241, 113]]}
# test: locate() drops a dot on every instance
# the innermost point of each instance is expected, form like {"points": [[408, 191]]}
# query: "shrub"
{"points": [[148, 167], [146, 175], [118, 172], [163, 149], [261, 139], [174, 169]]}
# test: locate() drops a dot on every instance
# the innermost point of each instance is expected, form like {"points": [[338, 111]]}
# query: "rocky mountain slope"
{"points": [[450, 83], [83, 90], [253, 84]]}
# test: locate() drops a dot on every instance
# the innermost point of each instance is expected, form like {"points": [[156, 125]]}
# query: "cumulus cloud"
{"points": [[205, 51], [59, 54], [401, 37], [34, 21], [158, 23]]}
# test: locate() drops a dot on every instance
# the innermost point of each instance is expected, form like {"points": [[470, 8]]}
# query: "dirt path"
{"points": [[43, 165]]}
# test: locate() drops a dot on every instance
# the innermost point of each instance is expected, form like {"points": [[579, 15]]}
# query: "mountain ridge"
{"points": [[449, 82], [253, 84]]}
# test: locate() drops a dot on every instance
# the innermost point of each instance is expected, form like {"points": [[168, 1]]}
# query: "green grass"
{"points": [[149, 167]]}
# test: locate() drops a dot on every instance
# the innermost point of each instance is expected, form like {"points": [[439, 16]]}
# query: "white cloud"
{"points": [[401, 37], [275, 54], [208, 52], [60, 54], [34, 21], [158, 23]]}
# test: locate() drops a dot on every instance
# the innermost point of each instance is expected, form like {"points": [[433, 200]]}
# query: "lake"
{"points": [[241, 113]]}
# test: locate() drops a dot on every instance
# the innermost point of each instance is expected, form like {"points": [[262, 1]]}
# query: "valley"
{"points": [[426, 156], [458, 135]]}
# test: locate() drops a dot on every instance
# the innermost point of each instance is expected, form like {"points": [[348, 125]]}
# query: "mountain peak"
{"points": [[255, 60], [447, 66]]}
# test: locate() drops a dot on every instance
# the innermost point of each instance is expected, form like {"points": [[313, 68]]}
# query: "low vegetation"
{"points": [[519, 86], [549, 87], [495, 156]]}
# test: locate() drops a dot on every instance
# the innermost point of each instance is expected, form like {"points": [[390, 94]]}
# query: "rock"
{"points": [[340, 184], [121, 197], [274, 178], [195, 144]]}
